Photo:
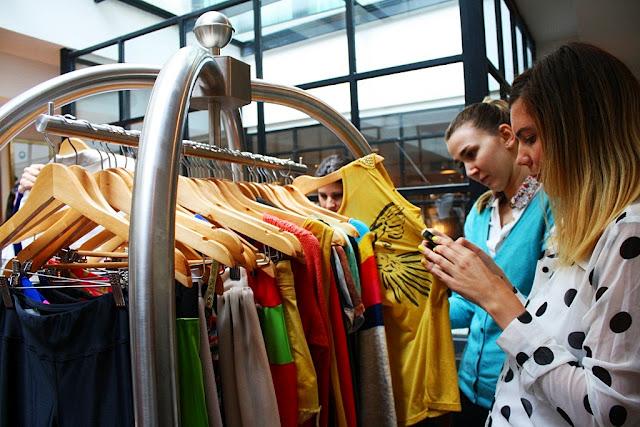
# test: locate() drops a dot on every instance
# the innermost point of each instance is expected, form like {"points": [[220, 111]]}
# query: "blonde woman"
{"points": [[573, 347]]}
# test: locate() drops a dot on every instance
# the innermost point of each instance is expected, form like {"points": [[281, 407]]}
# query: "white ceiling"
{"points": [[613, 25]]}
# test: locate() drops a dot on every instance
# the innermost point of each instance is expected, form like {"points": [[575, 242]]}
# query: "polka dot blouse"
{"points": [[573, 357]]}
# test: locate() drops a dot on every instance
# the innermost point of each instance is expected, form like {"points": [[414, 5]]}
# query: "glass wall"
{"points": [[395, 68]]}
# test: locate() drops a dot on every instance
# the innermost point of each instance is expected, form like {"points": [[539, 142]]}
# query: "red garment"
{"points": [[312, 307], [283, 372]]}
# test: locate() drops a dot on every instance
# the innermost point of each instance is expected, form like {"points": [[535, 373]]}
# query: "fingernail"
{"points": [[422, 248], [435, 239]]}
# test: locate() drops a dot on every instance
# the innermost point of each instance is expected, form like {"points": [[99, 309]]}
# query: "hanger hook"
{"points": [[74, 148]]}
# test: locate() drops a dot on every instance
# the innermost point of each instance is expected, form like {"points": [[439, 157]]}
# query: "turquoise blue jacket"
{"points": [[482, 358]]}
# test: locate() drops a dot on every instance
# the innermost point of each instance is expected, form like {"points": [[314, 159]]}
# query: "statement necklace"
{"points": [[525, 193]]}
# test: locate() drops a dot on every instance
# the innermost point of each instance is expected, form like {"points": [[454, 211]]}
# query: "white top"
{"points": [[497, 231], [573, 358]]}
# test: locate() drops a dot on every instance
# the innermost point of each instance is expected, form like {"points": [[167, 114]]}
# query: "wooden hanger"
{"points": [[286, 200], [248, 190], [68, 144], [118, 194], [56, 186], [41, 226], [210, 206], [282, 213], [72, 226]]}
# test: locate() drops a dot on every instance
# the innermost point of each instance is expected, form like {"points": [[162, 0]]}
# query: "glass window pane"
{"points": [[312, 158], [250, 117], [384, 31], [183, 7], [520, 48], [494, 87], [506, 41], [413, 145], [281, 141], [107, 55], [242, 45], [153, 48], [446, 212], [412, 90], [139, 100], [490, 32], [25, 152], [304, 41], [199, 126], [529, 56], [101, 108]]}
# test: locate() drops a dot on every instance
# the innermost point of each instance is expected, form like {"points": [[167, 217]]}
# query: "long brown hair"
{"points": [[487, 116], [586, 106]]}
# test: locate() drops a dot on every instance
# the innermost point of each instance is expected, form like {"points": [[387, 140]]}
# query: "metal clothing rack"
{"points": [[66, 126], [223, 85]]}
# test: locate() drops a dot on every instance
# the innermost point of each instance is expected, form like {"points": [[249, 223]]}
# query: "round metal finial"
{"points": [[213, 31]]}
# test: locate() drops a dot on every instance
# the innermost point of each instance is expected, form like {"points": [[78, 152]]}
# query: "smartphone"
{"points": [[428, 236]]}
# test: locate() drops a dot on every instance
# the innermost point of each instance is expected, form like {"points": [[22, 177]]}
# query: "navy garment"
{"points": [[65, 364]]}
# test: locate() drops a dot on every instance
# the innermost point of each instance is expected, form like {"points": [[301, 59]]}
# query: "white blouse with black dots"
{"points": [[573, 358]]}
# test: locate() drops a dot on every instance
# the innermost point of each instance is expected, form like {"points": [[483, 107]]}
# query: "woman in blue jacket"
{"points": [[510, 222]]}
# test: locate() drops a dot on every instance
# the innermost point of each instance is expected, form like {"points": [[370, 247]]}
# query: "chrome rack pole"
{"points": [[235, 135], [65, 126], [152, 239]]}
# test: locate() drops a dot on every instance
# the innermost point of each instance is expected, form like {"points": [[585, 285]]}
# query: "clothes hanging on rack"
{"points": [[377, 406], [307, 379], [302, 338], [416, 315], [342, 386], [249, 397], [57, 370], [276, 340], [310, 296], [210, 385]]}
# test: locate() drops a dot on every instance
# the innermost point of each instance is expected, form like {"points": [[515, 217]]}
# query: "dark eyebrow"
{"points": [[522, 130], [463, 152]]}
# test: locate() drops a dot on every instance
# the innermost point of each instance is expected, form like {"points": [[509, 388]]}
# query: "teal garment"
{"points": [[360, 226], [482, 359], [193, 406]]}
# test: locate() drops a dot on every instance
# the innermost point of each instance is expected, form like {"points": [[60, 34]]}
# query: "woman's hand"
{"points": [[28, 177], [464, 269]]}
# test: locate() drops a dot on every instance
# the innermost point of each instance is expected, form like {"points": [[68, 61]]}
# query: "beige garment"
{"points": [[247, 386]]}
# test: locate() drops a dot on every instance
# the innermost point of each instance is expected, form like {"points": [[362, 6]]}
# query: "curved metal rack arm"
{"points": [[317, 109], [21, 111]]}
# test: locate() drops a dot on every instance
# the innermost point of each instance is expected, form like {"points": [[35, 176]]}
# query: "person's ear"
{"points": [[507, 136]]}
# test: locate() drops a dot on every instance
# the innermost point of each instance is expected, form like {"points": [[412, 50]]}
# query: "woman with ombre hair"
{"points": [[572, 347]]}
